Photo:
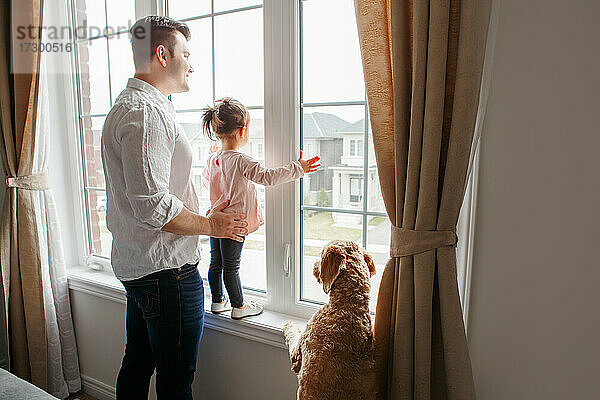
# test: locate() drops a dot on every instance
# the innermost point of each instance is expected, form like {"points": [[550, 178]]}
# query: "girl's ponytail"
{"points": [[210, 122], [224, 118]]}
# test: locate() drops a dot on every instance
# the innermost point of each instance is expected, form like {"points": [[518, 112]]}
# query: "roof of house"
{"points": [[357, 127], [324, 125]]}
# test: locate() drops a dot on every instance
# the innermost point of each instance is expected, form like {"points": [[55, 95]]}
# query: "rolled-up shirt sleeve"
{"points": [[146, 150]]}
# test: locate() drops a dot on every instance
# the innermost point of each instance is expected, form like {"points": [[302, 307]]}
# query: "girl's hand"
{"points": [[309, 165], [215, 147]]}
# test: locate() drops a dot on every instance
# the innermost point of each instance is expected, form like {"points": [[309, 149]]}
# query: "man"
{"points": [[153, 215]]}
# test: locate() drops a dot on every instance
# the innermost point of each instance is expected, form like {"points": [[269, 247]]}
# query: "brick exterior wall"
{"points": [[92, 155]]}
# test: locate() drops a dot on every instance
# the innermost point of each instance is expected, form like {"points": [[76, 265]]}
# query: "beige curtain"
{"points": [[19, 247], [422, 63], [42, 345]]}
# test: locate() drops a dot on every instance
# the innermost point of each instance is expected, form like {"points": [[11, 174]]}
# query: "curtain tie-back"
{"points": [[406, 242], [29, 182]]}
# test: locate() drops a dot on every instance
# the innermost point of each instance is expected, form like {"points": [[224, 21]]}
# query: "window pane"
{"points": [[239, 56], [200, 94], [180, 9], [93, 76], [375, 200], [92, 131], [121, 63], [319, 228], [328, 132], [253, 264], [378, 245], [121, 14], [91, 18], [331, 63], [224, 5], [101, 236]]}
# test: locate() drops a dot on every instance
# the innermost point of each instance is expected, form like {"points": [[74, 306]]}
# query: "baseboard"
{"points": [[97, 389]]}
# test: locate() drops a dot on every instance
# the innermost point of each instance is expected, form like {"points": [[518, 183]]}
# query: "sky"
{"points": [[332, 69]]}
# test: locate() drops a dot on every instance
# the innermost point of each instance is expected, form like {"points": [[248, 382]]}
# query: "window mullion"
{"points": [[366, 173], [280, 147], [272, 123], [212, 47], [149, 7]]}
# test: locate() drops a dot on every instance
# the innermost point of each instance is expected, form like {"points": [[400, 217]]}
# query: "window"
{"points": [[104, 62], [355, 189], [299, 73], [223, 34], [334, 114], [356, 147], [259, 151]]}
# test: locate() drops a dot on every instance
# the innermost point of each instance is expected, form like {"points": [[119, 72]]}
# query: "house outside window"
{"points": [[355, 189]]}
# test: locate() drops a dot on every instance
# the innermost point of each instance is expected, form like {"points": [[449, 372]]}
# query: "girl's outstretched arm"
{"points": [[255, 172]]}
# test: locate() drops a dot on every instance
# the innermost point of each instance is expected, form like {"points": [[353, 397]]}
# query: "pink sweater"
{"points": [[229, 175]]}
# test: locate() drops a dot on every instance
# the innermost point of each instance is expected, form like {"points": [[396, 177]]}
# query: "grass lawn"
{"points": [[320, 226], [376, 221]]}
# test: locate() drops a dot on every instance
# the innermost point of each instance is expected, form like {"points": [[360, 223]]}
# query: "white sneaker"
{"points": [[248, 309], [218, 308]]}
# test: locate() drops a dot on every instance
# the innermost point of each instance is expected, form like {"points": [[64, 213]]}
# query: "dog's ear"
{"points": [[332, 263], [370, 263]]}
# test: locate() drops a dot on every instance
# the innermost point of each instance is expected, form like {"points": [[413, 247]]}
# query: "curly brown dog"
{"points": [[333, 357]]}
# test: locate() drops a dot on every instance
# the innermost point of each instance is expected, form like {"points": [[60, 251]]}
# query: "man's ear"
{"points": [[160, 53], [332, 263], [370, 263]]}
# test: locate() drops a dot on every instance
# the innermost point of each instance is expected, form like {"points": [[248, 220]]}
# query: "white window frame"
{"points": [[281, 114]]}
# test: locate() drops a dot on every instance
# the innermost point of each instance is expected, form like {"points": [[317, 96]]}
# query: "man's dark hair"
{"points": [[149, 32]]}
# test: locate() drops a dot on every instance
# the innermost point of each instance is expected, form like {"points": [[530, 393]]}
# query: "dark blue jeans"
{"points": [[165, 315], [225, 255]]}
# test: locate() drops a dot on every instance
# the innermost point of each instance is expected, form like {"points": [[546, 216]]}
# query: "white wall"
{"points": [[534, 322], [3, 355], [228, 367]]}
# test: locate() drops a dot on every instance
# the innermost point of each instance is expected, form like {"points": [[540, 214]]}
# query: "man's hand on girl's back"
{"points": [[227, 225]]}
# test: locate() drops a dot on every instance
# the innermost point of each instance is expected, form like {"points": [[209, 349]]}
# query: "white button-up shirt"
{"points": [[147, 162]]}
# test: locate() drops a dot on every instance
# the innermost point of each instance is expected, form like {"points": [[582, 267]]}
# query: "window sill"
{"points": [[265, 328]]}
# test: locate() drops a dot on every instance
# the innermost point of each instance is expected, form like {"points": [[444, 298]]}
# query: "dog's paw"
{"points": [[288, 325], [296, 362], [290, 328]]}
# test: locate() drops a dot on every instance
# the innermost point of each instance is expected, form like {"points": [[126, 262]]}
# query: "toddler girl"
{"points": [[229, 174]]}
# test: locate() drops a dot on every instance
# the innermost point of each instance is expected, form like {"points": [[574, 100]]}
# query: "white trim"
{"points": [[97, 389], [96, 283], [265, 328], [74, 158], [148, 7]]}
